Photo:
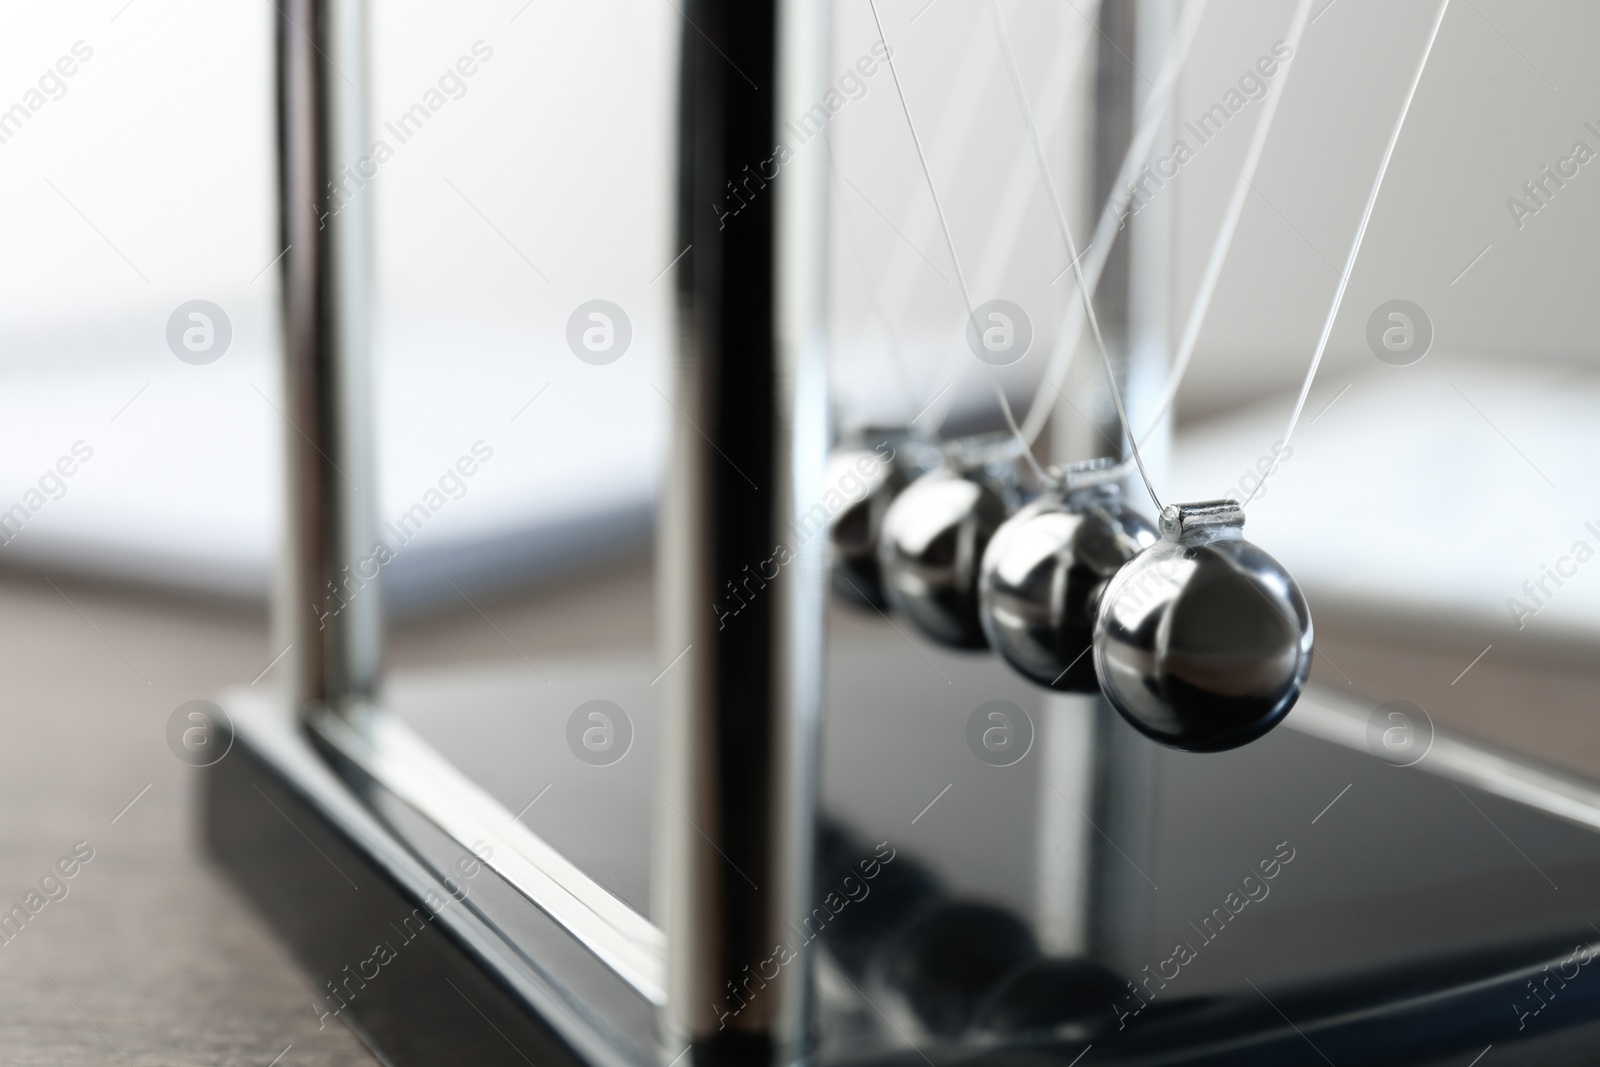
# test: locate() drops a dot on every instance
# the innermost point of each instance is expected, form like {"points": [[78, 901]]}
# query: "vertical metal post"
{"points": [[1125, 797], [748, 457], [1132, 296], [1114, 89], [1089, 900], [1150, 324], [327, 606], [1076, 728]]}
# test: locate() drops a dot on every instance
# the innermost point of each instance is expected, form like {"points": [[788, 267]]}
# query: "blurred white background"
{"points": [[547, 182], [540, 182]]}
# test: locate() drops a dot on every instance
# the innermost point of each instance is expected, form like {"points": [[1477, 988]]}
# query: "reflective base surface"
{"points": [[1294, 899]]}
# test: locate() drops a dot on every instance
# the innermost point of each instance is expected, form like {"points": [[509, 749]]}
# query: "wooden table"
{"points": [[152, 957]]}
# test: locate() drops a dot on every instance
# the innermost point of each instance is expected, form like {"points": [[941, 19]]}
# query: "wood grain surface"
{"points": [[152, 957]]}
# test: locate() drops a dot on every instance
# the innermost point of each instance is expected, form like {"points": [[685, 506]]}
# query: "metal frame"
{"points": [[337, 861], [748, 453], [391, 753], [564, 972], [748, 456], [327, 608]]}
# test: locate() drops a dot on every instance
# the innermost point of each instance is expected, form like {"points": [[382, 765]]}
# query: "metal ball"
{"points": [[870, 468], [1044, 572], [1203, 641], [934, 536]]}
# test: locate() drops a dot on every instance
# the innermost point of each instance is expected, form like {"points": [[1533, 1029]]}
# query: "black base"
{"points": [[1410, 929], [402, 952]]}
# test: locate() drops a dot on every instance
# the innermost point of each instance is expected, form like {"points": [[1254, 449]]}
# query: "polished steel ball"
{"points": [[868, 470], [1203, 641], [934, 535], [1044, 572]]}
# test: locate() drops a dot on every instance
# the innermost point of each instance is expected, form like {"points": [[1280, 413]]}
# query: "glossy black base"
{"points": [[1353, 959], [411, 958]]}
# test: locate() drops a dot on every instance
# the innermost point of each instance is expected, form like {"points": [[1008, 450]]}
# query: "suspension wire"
{"points": [[1012, 205], [1230, 223], [949, 239], [1072, 246], [1099, 248], [896, 351], [1361, 232]]}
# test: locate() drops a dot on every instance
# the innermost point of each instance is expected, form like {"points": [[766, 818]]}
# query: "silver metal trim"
{"points": [[1330, 716], [327, 608], [740, 716], [406, 765]]}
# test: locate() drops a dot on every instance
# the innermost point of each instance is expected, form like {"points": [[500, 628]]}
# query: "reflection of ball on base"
{"points": [[1203, 641], [947, 958]]}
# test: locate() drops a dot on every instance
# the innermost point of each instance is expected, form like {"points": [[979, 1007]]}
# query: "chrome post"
{"points": [[748, 459], [1150, 237], [1125, 800], [326, 605], [1089, 902]]}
